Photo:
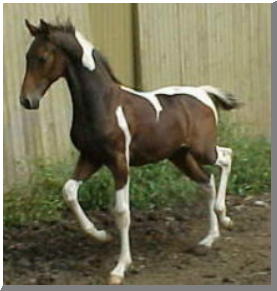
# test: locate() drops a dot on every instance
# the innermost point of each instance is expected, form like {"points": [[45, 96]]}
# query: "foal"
{"points": [[119, 127]]}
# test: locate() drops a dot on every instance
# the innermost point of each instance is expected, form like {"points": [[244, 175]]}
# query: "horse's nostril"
{"points": [[25, 102], [30, 103]]}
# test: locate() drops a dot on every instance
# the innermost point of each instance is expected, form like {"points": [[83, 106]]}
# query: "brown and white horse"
{"points": [[119, 127]]}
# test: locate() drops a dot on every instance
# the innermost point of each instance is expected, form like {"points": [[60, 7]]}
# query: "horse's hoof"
{"points": [[104, 236], [108, 238], [200, 250], [115, 280], [227, 223]]}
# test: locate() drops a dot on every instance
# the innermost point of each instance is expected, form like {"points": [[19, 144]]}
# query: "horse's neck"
{"points": [[88, 91]]}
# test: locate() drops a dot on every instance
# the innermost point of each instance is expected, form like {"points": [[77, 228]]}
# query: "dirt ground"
{"points": [[162, 248]]}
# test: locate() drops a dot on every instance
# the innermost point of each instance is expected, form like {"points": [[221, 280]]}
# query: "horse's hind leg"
{"points": [[222, 157], [224, 161], [83, 170], [187, 164]]}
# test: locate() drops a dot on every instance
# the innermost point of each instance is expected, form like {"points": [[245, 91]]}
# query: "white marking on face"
{"points": [[149, 96], [87, 57], [122, 123], [197, 92]]}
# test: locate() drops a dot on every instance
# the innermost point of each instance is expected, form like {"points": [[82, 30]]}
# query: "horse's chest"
{"points": [[85, 141]]}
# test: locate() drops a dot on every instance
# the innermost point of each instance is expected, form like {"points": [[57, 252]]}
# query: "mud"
{"points": [[162, 246]]}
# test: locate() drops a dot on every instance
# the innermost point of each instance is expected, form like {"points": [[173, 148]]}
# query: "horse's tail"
{"points": [[225, 100]]}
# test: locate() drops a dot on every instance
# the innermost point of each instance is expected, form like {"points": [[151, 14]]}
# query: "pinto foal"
{"points": [[119, 127]]}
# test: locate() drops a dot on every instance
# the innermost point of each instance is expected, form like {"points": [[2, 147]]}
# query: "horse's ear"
{"points": [[32, 29], [44, 26]]}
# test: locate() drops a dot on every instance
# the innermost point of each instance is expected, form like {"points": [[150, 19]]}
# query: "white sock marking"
{"points": [[70, 194], [87, 58], [213, 233], [122, 216], [122, 208], [224, 160]]}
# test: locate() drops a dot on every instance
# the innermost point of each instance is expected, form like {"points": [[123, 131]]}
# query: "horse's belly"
{"points": [[149, 151]]}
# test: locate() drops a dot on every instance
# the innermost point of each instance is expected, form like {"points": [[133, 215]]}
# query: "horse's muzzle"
{"points": [[29, 103]]}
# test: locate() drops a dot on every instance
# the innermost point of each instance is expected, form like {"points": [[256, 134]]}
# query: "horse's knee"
{"points": [[209, 185], [220, 208], [224, 158], [70, 190], [122, 216], [206, 187]]}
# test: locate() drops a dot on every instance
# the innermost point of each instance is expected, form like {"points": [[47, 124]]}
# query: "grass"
{"points": [[152, 186], [251, 165]]}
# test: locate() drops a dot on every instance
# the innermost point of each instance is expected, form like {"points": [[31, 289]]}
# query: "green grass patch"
{"points": [[251, 165], [152, 186]]}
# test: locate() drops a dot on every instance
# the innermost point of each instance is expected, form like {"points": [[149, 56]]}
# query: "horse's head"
{"points": [[46, 62]]}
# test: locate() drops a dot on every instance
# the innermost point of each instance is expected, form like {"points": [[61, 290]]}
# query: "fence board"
{"points": [[225, 45], [159, 45]]}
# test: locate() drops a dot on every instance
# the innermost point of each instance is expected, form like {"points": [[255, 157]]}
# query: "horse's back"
{"points": [[182, 120]]}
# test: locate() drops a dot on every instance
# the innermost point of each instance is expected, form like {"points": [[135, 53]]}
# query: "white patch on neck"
{"points": [[87, 58], [122, 123], [149, 96]]}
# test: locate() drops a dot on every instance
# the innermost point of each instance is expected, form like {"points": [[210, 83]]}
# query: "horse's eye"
{"points": [[42, 59]]}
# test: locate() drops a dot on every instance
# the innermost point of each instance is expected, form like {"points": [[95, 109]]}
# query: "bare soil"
{"points": [[162, 246]]}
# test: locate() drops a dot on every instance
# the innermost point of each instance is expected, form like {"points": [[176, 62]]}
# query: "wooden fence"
{"points": [[149, 45], [226, 45]]}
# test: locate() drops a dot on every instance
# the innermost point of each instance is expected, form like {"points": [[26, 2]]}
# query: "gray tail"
{"points": [[225, 100]]}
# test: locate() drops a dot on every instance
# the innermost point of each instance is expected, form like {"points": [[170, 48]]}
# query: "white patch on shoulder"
{"points": [[122, 123], [87, 58], [149, 96]]}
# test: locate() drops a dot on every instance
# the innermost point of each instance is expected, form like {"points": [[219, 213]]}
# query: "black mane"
{"points": [[103, 61], [67, 27]]}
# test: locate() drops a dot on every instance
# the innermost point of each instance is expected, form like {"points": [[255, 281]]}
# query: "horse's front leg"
{"points": [[122, 217], [83, 170]]}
